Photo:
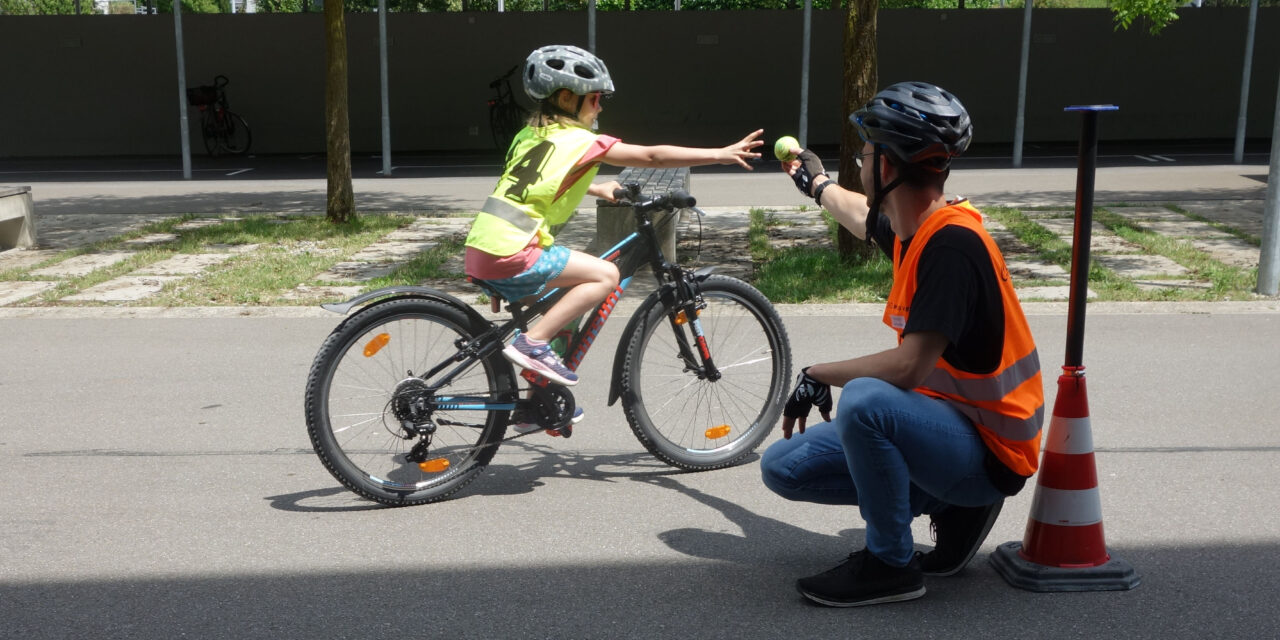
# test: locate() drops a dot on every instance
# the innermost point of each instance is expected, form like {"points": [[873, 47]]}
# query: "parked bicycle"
{"points": [[506, 116], [223, 130], [408, 399]]}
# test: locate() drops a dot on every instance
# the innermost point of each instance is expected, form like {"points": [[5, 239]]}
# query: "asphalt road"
{"points": [[158, 483]]}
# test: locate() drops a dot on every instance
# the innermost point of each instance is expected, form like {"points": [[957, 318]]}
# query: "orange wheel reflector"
{"points": [[376, 344], [718, 432], [434, 466], [681, 318]]}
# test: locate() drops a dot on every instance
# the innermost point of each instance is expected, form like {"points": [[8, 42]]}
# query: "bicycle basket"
{"points": [[202, 95]]}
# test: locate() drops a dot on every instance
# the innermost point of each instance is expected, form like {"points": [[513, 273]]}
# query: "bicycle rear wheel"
{"points": [[692, 422], [364, 386]]}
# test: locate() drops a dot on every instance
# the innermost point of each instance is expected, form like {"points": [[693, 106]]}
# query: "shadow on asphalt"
{"points": [[1186, 593], [219, 202]]}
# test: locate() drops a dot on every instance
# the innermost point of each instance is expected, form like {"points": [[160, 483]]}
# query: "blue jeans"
{"points": [[894, 453]]}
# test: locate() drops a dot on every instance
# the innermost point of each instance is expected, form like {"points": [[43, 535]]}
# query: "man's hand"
{"points": [[808, 393], [804, 169]]}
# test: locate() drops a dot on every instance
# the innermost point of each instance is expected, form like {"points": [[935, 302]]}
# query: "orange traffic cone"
{"points": [[1063, 548]]}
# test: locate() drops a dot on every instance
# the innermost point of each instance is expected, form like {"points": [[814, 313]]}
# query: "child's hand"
{"points": [[604, 190], [741, 151]]}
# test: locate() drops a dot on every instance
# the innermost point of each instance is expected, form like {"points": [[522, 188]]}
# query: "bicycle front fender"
{"points": [[633, 325], [392, 293]]}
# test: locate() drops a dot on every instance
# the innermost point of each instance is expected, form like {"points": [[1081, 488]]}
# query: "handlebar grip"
{"points": [[681, 199], [620, 193]]}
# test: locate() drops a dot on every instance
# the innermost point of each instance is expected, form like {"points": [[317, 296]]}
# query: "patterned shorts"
{"points": [[534, 279]]}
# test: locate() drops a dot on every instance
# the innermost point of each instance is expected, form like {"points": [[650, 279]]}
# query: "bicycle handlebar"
{"points": [[495, 83], [629, 194]]}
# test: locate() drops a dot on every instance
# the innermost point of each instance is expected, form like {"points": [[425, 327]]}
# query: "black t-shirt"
{"points": [[958, 295]]}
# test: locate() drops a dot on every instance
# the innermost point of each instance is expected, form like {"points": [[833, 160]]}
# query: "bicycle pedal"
{"points": [[565, 432]]}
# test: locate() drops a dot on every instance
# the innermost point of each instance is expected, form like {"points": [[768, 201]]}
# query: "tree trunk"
{"points": [[341, 202], [860, 80]]}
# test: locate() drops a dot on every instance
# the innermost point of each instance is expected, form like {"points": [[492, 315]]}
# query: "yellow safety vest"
{"points": [[540, 187]]}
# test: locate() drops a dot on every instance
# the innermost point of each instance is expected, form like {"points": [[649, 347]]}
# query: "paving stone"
{"points": [[356, 272], [123, 289], [326, 293], [1156, 285], [1139, 214], [1229, 250], [200, 223], [1188, 228], [82, 265], [1108, 243], [68, 231], [1066, 227], [1049, 293], [24, 258], [151, 240], [1245, 215], [183, 264], [1033, 270], [1141, 266], [392, 251], [11, 292]]}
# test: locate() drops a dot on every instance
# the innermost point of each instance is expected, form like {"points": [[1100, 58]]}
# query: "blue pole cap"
{"points": [[1093, 107]]}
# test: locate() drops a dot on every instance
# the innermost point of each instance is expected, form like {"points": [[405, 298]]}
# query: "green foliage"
{"points": [[1156, 13], [44, 7], [195, 6]]}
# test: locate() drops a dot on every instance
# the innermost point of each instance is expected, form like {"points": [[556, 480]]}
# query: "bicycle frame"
{"points": [[632, 252]]}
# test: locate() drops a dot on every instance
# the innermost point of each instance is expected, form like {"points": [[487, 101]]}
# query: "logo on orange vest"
{"points": [[898, 322]]}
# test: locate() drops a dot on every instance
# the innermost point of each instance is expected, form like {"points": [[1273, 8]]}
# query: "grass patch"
{"points": [[290, 250], [1228, 282], [1054, 250], [1225, 228], [813, 275]]}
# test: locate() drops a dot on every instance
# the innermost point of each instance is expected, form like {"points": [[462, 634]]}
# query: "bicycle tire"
{"points": [[673, 413], [237, 137], [351, 402], [209, 132]]}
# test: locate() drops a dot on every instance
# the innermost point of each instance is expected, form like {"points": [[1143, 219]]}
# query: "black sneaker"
{"points": [[863, 579], [958, 532]]}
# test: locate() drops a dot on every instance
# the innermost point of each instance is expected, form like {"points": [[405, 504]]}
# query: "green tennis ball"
{"points": [[782, 148]]}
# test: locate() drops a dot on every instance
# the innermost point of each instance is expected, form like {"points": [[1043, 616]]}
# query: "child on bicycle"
{"points": [[549, 169]]}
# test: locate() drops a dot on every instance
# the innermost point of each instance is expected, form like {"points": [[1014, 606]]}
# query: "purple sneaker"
{"points": [[541, 360]]}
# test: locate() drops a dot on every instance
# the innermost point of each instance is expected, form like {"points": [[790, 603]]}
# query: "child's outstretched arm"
{"points": [[632, 155]]}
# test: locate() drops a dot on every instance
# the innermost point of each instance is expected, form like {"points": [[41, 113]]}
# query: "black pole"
{"points": [[1088, 164]]}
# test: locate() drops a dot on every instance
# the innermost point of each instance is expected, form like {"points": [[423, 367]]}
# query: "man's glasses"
{"points": [[857, 159]]}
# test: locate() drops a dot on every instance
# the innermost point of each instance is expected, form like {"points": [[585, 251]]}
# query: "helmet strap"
{"points": [[880, 190]]}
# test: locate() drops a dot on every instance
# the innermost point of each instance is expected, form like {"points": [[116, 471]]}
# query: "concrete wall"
{"points": [[90, 85]]}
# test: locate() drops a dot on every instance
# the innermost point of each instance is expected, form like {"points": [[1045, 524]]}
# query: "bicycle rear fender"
{"points": [[615, 387], [391, 293]]}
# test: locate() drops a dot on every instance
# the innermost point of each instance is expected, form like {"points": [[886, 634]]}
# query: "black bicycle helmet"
{"points": [[551, 68], [917, 123]]}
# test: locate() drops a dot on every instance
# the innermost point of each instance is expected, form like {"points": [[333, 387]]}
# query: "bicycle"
{"points": [[506, 116], [222, 129], [408, 399]]}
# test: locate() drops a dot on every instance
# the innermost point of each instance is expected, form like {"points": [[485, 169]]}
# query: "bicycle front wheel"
{"points": [[683, 417], [236, 136], [380, 428]]}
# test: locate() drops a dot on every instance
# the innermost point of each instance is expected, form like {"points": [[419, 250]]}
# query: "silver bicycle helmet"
{"points": [[560, 66], [917, 122]]}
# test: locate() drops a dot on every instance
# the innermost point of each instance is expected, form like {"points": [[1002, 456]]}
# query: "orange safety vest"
{"points": [[1007, 404]]}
